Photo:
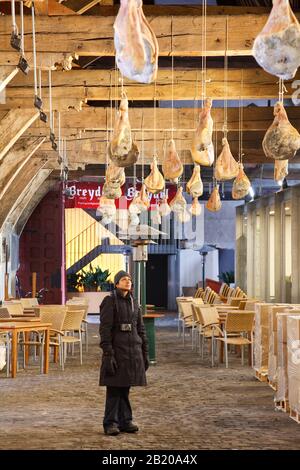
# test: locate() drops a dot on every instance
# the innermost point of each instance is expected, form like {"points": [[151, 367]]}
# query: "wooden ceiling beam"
{"points": [[96, 85], [92, 118], [13, 125], [15, 159], [93, 36]]}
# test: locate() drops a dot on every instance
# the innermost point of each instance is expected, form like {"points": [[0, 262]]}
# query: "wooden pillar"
{"points": [[33, 288]]}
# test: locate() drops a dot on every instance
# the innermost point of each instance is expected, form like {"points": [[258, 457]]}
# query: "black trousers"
{"points": [[117, 407]]}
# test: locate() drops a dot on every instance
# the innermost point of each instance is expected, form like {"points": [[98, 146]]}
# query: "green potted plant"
{"points": [[227, 277], [73, 282], [95, 279]]}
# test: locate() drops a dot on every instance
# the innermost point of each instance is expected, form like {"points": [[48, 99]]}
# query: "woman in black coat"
{"points": [[125, 354]]}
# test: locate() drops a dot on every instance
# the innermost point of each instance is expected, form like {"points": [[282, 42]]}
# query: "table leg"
{"points": [[221, 351], [26, 346], [46, 351], [55, 354], [14, 353]]}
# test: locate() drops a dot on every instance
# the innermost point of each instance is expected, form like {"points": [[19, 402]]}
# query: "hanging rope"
{"points": [[22, 26], [143, 148], [13, 17], [172, 59], [59, 135], [203, 45], [154, 121], [34, 49], [107, 144], [50, 100], [282, 90], [111, 106], [241, 110], [225, 128]]}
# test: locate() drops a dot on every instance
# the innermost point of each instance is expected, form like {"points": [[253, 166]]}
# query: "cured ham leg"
{"points": [[195, 186], [281, 169], [172, 167], [226, 166], [178, 203], [155, 181], [202, 148], [164, 208], [281, 140], [241, 184], [195, 208], [135, 43], [140, 202], [122, 150], [276, 48], [214, 203]]}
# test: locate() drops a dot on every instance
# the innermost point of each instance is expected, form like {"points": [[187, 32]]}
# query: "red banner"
{"points": [[86, 195]]}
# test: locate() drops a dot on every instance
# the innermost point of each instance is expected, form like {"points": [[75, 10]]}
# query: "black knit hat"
{"points": [[119, 276]]}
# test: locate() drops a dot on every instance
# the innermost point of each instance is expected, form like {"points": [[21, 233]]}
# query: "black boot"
{"points": [[112, 430], [129, 427]]}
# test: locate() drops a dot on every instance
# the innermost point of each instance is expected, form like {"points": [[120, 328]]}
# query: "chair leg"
{"points": [[242, 354], [203, 341], [86, 338], [80, 347], [212, 351], [226, 353], [183, 336]]}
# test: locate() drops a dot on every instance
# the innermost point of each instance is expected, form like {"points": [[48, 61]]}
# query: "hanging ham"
{"points": [[241, 184], [111, 191], [115, 174], [178, 203], [107, 209], [135, 43], [140, 202], [155, 181], [202, 148], [281, 169], [276, 48], [164, 208], [195, 186], [214, 203], [226, 167], [122, 150], [172, 167], [281, 140], [195, 208]]}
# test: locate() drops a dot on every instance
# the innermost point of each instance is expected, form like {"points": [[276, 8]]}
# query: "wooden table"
{"points": [[25, 327], [20, 319]]}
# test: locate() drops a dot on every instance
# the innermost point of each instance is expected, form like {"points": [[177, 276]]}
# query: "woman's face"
{"points": [[124, 283]]}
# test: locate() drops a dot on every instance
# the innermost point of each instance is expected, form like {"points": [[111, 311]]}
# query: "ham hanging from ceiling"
{"points": [[277, 46], [281, 169], [122, 150], [195, 208], [214, 203], [202, 148], [135, 43], [155, 181], [164, 208], [172, 167], [195, 186], [178, 203], [281, 140], [140, 202], [241, 184], [226, 167]]}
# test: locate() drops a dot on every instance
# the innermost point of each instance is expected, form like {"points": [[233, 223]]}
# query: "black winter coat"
{"points": [[129, 347]]}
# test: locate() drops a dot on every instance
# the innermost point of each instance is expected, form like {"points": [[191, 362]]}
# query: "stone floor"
{"points": [[187, 405]]}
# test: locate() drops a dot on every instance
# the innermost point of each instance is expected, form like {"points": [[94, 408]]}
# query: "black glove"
{"points": [[110, 365], [146, 362]]}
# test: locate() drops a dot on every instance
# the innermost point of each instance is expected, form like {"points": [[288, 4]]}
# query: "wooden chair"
{"points": [[71, 305], [71, 326], [236, 326]]}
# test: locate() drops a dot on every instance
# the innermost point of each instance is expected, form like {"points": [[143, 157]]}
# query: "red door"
{"points": [[40, 248]]}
